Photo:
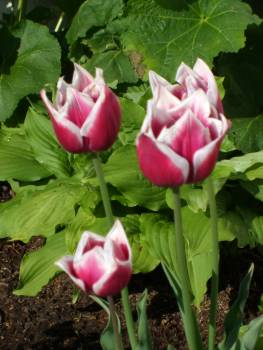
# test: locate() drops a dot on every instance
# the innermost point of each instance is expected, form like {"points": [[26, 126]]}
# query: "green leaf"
{"points": [[234, 318], [255, 188], [122, 171], [47, 151], [252, 338], [93, 13], [16, 158], [144, 335], [247, 134], [39, 211], [160, 234], [37, 268], [142, 259], [115, 64], [38, 63], [165, 37]]}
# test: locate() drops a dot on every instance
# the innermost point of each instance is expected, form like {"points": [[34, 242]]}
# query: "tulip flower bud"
{"points": [[101, 265], [184, 126], [86, 115]]}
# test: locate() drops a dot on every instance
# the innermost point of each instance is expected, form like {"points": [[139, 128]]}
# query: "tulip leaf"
{"points": [[160, 234], [37, 63], [38, 268], [251, 337], [93, 13], [234, 318], [166, 37], [40, 211], [144, 335], [122, 171], [47, 151], [16, 158]]}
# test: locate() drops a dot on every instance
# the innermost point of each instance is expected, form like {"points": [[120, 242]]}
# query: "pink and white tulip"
{"points": [[86, 114], [101, 265], [184, 126]]}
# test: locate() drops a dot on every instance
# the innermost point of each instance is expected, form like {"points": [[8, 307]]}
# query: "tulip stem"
{"points": [[20, 8], [190, 323], [117, 336], [108, 211], [215, 264]]}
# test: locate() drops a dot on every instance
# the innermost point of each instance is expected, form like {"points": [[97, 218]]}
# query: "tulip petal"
{"points": [[205, 158], [156, 80], [78, 106], [102, 126], [66, 264], [91, 267], [113, 281], [88, 241], [61, 92], [159, 163], [186, 136], [204, 72], [81, 78], [121, 247], [67, 133]]}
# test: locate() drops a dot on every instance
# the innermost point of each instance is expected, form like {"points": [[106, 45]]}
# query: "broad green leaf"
{"points": [[16, 157], [132, 119], [38, 63], [142, 259], [122, 171], [115, 64], [38, 268], [160, 234], [93, 13], [257, 228], [165, 37], [234, 318], [255, 188], [144, 335], [252, 339], [41, 211], [247, 134], [47, 151]]}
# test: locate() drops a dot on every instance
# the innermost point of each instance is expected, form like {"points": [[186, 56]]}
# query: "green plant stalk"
{"points": [[118, 339], [215, 264], [20, 8], [190, 323], [108, 211], [59, 22]]}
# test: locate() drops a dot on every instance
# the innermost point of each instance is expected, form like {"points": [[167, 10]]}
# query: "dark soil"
{"points": [[51, 321]]}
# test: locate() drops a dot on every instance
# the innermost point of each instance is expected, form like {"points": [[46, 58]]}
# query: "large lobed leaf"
{"points": [[166, 37], [38, 63]]}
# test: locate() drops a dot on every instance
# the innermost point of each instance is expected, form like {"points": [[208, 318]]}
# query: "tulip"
{"points": [[101, 265], [86, 114], [184, 126]]}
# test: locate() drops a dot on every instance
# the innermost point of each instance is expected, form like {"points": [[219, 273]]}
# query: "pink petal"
{"points": [[204, 72], [78, 107], [186, 136], [88, 241], [160, 164], [113, 281], [61, 92], [81, 78], [66, 264], [91, 267], [121, 247], [67, 133], [102, 126], [205, 158]]}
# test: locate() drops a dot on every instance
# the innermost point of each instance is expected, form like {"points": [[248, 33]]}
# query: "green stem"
{"points": [[215, 264], [108, 211], [59, 22], [118, 340], [20, 8], [128, 317], [190, 323]]}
